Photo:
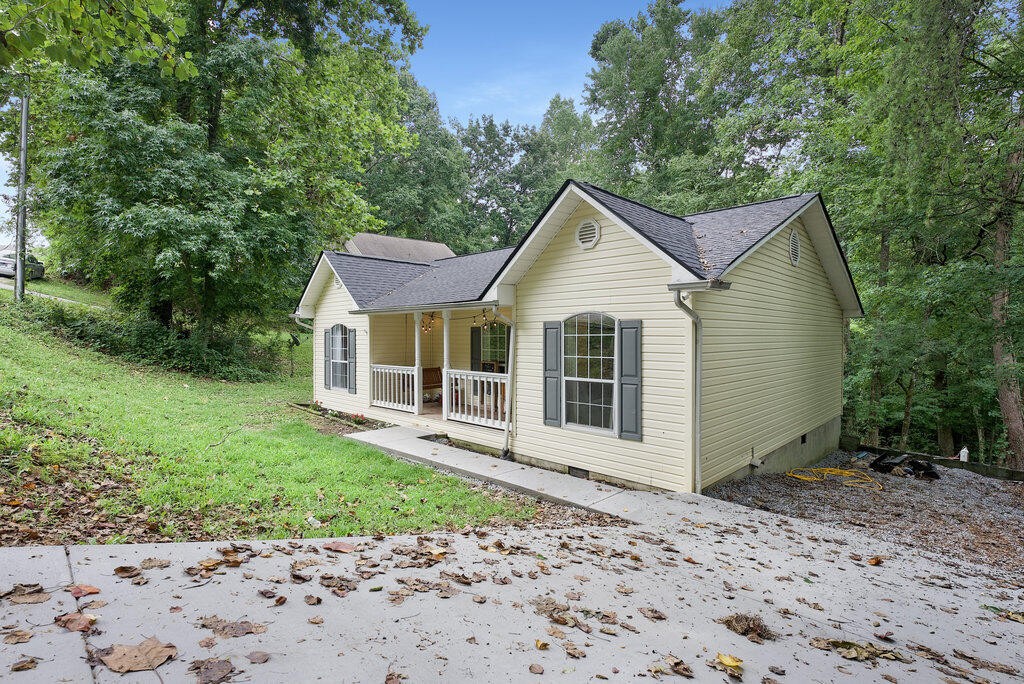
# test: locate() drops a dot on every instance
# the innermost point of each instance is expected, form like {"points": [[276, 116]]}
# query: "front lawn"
{"points": [[188, 458], [64, 290]]}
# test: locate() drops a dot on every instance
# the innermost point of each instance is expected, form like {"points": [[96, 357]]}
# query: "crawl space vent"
{"points": [[587, 234], [794, 247]]}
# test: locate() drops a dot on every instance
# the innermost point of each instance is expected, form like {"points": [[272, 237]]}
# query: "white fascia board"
{"points": [[829, 252], [572, 192], [322, 274], [680, 273]]}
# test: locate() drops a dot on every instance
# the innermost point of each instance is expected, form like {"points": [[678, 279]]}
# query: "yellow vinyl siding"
{"points": [[622, 278], [772, 356], [333, 308]]}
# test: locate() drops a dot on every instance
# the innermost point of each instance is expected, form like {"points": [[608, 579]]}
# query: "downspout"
{"points": [[698, 330], [296, 318], [505, 453]]}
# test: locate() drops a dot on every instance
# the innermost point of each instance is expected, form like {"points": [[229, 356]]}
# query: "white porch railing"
{"points": [[393, 387], [477, 398]]}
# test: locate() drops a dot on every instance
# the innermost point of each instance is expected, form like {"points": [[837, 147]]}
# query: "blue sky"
{"points": [[509, 59]]}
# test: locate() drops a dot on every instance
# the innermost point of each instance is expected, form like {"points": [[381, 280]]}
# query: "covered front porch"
{"points": [[451, 364]]}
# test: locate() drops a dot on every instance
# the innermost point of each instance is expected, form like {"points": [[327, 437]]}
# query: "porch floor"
{"points": [[640, 507]]}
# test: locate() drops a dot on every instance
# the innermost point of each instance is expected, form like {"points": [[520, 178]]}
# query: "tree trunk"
{"points": [[944, 433], [908, 403], [875, 397], [980, 427], [1007, 381]]}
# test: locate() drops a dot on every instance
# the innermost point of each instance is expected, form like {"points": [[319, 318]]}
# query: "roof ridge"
{"points": [[380, 258], [460, 256], [750, 204], [631, 201]]}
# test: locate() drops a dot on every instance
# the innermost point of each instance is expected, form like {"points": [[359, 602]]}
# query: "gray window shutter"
{"points": [[327, 358], [629, 380], [475, 354], [553, 373], [351, 360]]}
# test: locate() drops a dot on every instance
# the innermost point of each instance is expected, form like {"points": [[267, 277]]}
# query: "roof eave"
{"points": [[433, 306]]}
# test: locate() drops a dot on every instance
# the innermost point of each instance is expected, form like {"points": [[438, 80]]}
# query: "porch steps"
{"points": [[636, 506]]}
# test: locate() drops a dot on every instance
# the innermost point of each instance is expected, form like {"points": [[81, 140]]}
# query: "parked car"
{"points": [[33, 267]]}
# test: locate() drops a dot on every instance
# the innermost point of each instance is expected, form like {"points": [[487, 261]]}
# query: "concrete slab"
{"points": [[707, 564], [60, 653]]}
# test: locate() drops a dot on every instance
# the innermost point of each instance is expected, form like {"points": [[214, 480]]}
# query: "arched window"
{"points": [[589, 363], [336, 357]]}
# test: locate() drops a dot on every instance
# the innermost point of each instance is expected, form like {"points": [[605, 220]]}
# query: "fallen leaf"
{"points": [[24, 664], [875, 560], [258, 657], [127, 571], [312, 600], [651, 613], [340, 546], [541, 645], [76, 622], [279, 601], [691, 561], [26, 593], [18, 636], [152, 563], [731, 665], [207, 642], [573, 651], [316, 620], [148, 655], [80, 590], [226, 629], [211, 670], [536, 669]]}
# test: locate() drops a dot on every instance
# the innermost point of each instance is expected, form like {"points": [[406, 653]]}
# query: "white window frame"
{"points": [[494, 329], [339, 355], [612, 430]]}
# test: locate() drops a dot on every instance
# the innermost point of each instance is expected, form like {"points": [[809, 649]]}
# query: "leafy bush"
{"points": [[226, 356]]}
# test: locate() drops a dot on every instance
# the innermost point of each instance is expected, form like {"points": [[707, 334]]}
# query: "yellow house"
{"points": [[614, 341]]}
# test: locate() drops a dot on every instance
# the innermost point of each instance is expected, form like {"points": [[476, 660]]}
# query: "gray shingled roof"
{"points": [[708, 242], [448, 281], [367, 278], [402, 249]]}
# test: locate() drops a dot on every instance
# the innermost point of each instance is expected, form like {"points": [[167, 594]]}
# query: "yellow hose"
{"points": [[853, 478]]}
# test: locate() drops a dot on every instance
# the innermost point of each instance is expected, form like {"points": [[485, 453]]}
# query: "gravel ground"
{"points": [[961, 515]]}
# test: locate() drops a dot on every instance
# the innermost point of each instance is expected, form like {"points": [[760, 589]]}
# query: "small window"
{"points": [[794, 247], [338, 355], [589, 362], [587, 234]]}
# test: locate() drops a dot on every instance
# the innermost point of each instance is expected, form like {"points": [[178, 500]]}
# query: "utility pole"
{"points": [[19, 275]]}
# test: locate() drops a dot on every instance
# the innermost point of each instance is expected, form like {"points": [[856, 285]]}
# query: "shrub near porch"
{"points": [[232, 454]]}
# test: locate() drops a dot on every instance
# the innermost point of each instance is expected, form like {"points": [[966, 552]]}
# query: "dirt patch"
{"points": [[340, 423], [962, 515]]}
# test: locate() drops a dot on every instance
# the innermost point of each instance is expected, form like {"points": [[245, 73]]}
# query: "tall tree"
{"points": [[420, 193]]}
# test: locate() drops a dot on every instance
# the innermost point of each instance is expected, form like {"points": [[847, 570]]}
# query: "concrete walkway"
{"points": [[599, 603], [639, 507]]}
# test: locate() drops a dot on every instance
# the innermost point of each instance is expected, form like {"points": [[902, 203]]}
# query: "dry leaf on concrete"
{"points": [[148, 655]]}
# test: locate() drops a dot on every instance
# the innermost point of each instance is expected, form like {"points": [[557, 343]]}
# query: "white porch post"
{"points": [[445, 394], [418, 374]]}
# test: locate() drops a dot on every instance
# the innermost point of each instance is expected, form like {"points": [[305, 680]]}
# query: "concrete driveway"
{"points": [[580, 605]]}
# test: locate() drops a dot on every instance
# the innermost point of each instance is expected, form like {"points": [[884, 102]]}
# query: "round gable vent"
{"points": [[794, 247], [587, 233]]}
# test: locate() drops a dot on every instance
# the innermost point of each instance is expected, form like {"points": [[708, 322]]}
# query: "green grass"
{"points": [[65, 290], [194, 445]]}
